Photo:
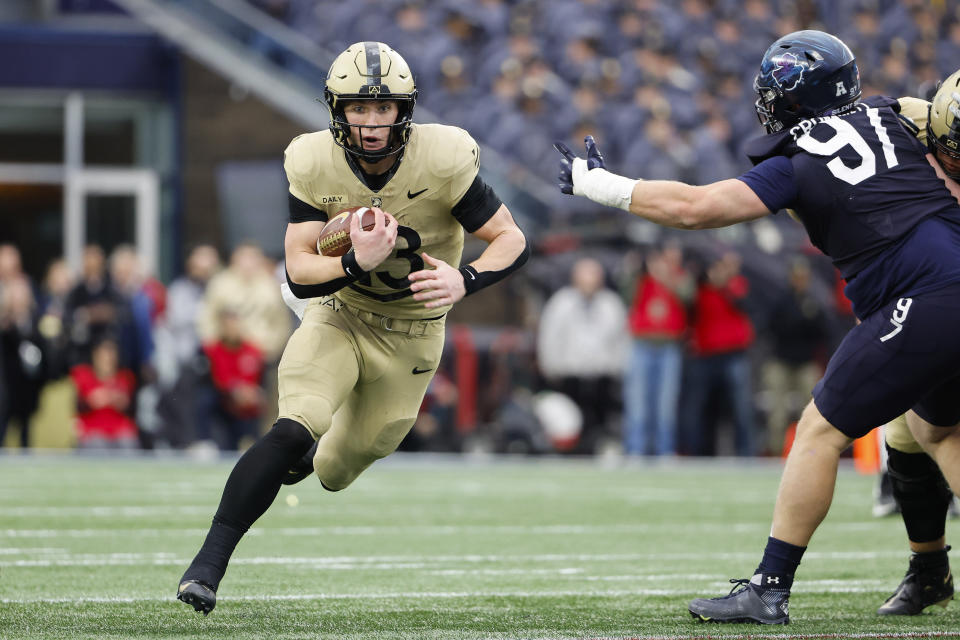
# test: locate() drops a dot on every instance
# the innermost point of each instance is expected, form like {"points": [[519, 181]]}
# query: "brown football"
{"points": [[334, 239]]}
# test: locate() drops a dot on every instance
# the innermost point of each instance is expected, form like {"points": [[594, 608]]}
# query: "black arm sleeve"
{"points": [[474, 280], [304, 291], [300, 211], [349, 263], [476, 206]]}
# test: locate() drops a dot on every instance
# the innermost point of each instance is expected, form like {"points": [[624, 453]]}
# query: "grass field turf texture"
{"points": [[435, 548]]}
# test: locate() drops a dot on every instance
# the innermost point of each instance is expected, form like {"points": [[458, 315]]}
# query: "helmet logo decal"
{"points": [[371, 51], [374, 89], [841, 89], [788, 71]]}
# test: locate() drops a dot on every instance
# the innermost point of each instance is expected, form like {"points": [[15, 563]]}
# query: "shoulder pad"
{"points": [[913, 114], [301, 159], [881, 101], [762, 147], [449, 150]]}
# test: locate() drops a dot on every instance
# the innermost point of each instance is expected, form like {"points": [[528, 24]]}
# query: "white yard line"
{"points": [[437, 530], [51, 557], [425, 595]]}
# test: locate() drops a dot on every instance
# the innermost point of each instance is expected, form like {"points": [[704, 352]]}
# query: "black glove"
{"points": [[594, 161]]}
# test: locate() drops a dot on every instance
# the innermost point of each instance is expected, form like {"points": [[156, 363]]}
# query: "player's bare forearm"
{"points": [[665, 202], [304, 264], [684, 206], [502, 252]]}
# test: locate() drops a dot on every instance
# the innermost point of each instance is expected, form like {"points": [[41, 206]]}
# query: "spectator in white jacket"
{"points": [[581, 347]]}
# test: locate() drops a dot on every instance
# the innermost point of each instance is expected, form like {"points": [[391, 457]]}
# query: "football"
{"points": [[334, 239]]}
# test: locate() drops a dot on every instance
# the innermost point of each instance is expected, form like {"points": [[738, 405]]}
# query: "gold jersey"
{"points": [[438, 165], [916, 110]]}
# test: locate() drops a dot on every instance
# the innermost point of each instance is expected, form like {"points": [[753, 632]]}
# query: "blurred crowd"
{"points": [[661, 85], [184, 365], [652, 352], [674, 353]]}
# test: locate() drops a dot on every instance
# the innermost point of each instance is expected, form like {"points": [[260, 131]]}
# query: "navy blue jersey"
{"points": [[861, 186]]}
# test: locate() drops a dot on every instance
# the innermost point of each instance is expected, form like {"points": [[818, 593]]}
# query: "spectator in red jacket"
{"points": [[104, 395], [236, 370], [721, 335], [658, 323]]}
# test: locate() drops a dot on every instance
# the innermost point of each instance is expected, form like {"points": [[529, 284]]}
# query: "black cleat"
{"points": [[198, 595], [302, 469], [924, 585], [747, 604]]}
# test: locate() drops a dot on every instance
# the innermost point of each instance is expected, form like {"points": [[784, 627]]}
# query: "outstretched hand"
{"points": [[572, 168], [439, 286], [590, 178]]}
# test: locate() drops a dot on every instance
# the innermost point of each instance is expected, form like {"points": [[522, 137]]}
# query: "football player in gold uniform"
{"points": [[919, 488], [354, 373]]}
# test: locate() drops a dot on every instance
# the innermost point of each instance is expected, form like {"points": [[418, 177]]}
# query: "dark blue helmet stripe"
{"points": [[372, 51]]}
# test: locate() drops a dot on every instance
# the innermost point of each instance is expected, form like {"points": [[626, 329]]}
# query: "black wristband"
{"points": [[470, 281], [349, 263], [474, 280]]}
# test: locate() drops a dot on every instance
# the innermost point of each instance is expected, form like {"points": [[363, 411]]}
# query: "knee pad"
{"points": [[921, 492], [334, 474], [313, 413], [289, 435], [339, 462]]}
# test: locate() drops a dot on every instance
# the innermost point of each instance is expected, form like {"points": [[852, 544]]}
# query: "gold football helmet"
{"points": [[370, 71], [943, 123]]}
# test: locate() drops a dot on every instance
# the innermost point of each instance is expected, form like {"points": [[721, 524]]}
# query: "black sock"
{"points": [[210, 563], [250, 490], [930, 559], [779, 563], [921, 493]]}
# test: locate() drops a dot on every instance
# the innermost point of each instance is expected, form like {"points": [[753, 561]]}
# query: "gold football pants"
{"points": [[899, 437], [356, 380]]}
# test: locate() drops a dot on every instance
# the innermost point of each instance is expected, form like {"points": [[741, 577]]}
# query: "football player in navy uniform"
{"points": [[354, 374], [874, 199]]}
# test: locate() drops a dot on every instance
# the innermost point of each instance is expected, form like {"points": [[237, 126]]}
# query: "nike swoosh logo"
{"points": [[414, 195], [417, 371]]}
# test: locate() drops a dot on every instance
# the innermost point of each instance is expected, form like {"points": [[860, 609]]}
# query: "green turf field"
{"points": [[433, 548]]}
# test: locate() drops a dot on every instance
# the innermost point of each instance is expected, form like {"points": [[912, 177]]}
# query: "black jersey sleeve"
{"points": [[476, 206], [300, 211]]}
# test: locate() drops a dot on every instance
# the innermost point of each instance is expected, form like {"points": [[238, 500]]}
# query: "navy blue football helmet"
{"points": [[802, 75]]}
